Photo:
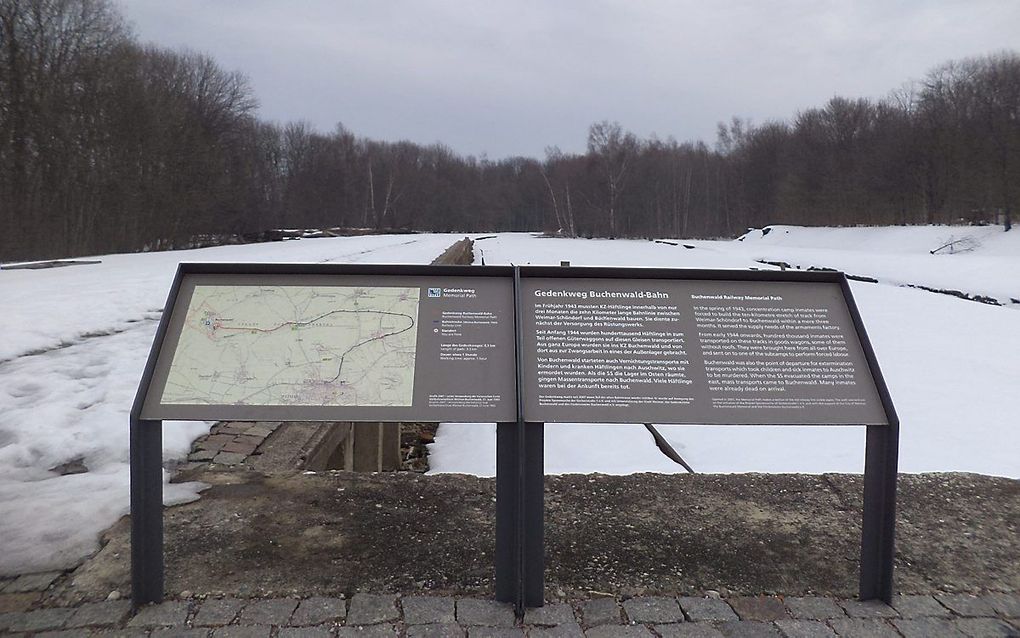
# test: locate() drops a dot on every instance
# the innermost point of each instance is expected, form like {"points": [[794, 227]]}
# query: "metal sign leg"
{"points": [[533, 516], [878, 529], [520, 517], [146, 512], [507, 513]]}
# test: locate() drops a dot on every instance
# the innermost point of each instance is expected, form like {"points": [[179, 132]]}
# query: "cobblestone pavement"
{"points": [[370, 615], [228, 443]]}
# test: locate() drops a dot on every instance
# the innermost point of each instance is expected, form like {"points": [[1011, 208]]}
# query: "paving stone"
{"points": [[260, 430], [18, 602], [867, 609], [925, 627], [272, 611], [202, 455], [181, 632], [495, 632], [164, 614], [556, 614], [218, 611], [238, 447], [214, 442], [39, 620], [369, 631], [6, 619], [472, 611], [804, 629], [233, 428], [242, 631], [423, 610], [321, 631], [749, 629], [31, 582], [105, 614], [863, 628], [919, 607], [601, 611], [766, 608], [435, 630], [480, 631], [967, 605], [120, 633], [699, 609], [618, 631], [372, 609], [653, 610], [689, 630], [229, 458], [563, 630], [64, 633], [814, 608], [986, 628], [249, 439], [318, 610], [1007, 605]]}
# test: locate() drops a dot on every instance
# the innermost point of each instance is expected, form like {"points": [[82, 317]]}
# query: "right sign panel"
{"points": [[736, 352]]}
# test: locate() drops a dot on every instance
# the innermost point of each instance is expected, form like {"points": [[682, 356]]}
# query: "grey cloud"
{"points": [[510, 78]]}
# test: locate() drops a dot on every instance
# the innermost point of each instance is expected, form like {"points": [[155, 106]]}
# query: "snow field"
{"points": [[952, 366], [901, 255], [45, 309], [73, 342], [91, 328]]}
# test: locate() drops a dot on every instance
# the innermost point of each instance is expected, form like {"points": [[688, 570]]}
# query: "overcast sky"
{"points": [[511, 78]]}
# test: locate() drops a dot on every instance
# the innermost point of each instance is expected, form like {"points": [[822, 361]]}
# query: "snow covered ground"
{"points": [[953, 366], [988, 265], [73, 342]]}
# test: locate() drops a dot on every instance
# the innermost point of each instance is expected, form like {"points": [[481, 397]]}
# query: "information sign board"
{"points": [[519, 346], [621, 348], [337, 347]]}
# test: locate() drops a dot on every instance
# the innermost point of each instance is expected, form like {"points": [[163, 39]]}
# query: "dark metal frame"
{"points": [[519, 460]]}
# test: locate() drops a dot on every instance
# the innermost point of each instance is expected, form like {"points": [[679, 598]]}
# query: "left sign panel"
{"points": [[337, 347]]}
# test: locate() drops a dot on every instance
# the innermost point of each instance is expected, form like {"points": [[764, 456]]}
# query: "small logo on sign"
{"points": [[435, 292]]}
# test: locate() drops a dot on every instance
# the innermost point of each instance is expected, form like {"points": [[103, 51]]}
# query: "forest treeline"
{"points": [[110, 145]]}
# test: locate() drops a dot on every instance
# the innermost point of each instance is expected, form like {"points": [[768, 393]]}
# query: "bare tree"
{"points": [[109, 145], [612, 150]]}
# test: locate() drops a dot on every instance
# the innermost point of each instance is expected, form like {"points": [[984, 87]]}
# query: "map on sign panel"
{"points": [[296, 345]]}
